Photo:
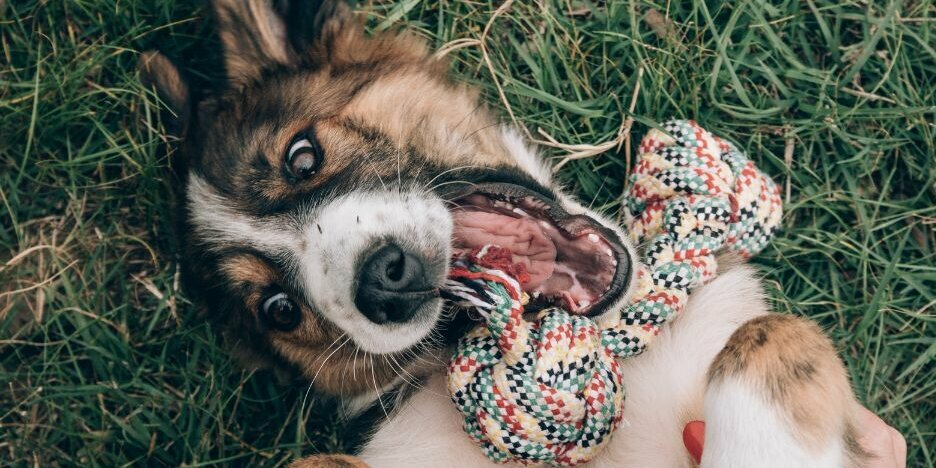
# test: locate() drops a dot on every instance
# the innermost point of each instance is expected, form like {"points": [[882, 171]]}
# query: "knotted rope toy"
{"points": [[550, 390]]}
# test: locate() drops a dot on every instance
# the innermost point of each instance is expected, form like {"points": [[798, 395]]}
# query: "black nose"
{"points": [[392, 284]]}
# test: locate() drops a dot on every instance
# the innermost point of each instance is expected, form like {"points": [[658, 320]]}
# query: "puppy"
{"points": [[327, 187]]}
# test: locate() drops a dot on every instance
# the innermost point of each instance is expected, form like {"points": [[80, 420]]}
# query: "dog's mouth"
{"points": [[572, 261]]}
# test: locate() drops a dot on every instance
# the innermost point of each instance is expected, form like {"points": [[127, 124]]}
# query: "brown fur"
{"points": [[444, 122], [858, 456]]}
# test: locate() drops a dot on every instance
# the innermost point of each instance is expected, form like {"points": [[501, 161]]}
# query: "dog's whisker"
{"points": [[597, 192], [422, 352], [312, 382], [447, 171], [399, 153], [468, 116], [377, 390], [479, 130], [377, 173], [354, 364], [451, 182], [403, 373]]}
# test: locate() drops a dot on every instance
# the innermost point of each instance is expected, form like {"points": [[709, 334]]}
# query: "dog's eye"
{"points": [[279, 312], [304, 156]]}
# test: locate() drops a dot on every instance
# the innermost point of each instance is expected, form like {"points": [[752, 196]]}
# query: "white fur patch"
{"points": [[526, 157], [353, 225], [425, 431], [742, 430], [218, 223]]}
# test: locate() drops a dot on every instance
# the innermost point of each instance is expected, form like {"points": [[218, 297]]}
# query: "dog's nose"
{"points": [[392, 285]]}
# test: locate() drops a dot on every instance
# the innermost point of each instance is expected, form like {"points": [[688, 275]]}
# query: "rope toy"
{"points": [[550, 390]]}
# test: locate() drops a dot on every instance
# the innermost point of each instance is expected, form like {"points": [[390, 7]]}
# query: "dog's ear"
{"points": [[258, 34], [307, 20], [158, 72]]}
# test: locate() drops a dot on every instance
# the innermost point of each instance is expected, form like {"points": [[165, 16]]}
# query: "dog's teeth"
{"points": [[584, 303], [519, 211], [593, 238]]}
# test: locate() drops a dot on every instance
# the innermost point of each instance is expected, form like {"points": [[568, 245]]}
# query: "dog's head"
{"points": [[329, 184]]}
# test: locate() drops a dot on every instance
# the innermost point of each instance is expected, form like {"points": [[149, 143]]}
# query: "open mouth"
{"points": [[572, 261]]}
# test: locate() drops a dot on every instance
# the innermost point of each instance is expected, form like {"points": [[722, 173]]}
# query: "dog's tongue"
{"points": [[536, 246], [523, 237]]}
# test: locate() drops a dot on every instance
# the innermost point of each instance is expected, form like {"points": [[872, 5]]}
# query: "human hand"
{"points": [[887, 446]]}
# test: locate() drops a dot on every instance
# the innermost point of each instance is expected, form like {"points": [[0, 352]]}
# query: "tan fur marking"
{"points": [[796, 366], [247, 269], [444, 122], [728, 261]]}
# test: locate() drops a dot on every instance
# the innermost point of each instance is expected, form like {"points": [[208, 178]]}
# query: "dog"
{"points": [[326, 188]]}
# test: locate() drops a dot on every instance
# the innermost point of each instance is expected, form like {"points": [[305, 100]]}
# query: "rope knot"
{"points": [[548, 389]]}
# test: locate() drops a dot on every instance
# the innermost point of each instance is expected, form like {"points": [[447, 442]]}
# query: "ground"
{"points": [[103, 360]]}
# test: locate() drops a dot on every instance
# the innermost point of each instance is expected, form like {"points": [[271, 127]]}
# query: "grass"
{"points": [[102, 362]]}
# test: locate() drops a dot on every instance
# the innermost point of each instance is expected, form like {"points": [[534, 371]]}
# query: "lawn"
{"points": [[104, 362]]}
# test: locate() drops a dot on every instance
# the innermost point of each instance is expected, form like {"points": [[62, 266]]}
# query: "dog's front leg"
{"points": [[778, 396]]}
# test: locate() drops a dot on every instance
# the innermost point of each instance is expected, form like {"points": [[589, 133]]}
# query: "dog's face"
{"points": [[329, 185]]}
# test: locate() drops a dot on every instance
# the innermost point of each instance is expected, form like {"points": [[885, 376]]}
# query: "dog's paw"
{"points": [[329, 461], [778, 396]]}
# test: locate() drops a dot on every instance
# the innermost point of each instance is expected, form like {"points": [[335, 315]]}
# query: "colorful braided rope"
{"points": [[550, 390]]}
